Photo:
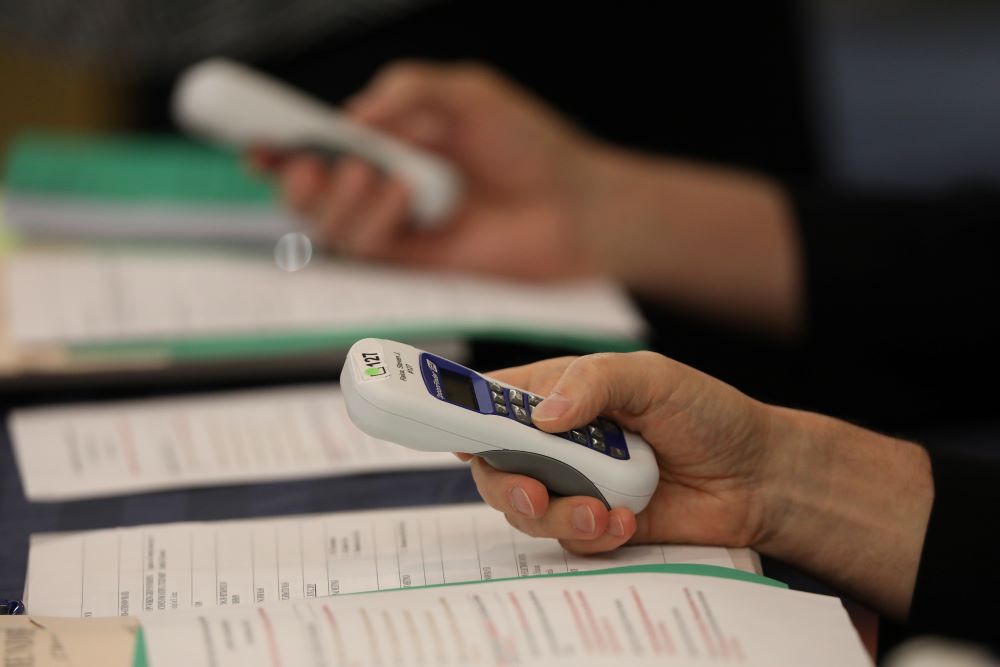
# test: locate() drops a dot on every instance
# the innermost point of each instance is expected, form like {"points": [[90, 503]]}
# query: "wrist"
{"points": [[797, 482], [848, 505]]}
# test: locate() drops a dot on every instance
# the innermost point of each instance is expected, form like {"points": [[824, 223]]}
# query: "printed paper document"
{"points": [[101, 449], [156, 568], [613, 618], [81, 296]]}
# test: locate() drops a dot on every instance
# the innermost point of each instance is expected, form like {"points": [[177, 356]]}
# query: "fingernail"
{"points": [[551, 408], [521, 502], [616, 527], [583, 520]]}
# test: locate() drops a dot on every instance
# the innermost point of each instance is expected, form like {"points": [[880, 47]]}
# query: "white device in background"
{"points": [[398, 393], [230, 103]]}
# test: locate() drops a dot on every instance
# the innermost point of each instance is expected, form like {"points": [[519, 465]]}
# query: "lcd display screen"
{"points": [[458, 390]]}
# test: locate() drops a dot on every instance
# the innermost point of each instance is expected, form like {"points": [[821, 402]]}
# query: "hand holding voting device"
{"points": [[396, 392], [235, 105]]}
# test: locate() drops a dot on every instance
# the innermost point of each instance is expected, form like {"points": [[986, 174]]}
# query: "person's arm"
{"points": [[718, 241], [846, 504], [543, 200]]}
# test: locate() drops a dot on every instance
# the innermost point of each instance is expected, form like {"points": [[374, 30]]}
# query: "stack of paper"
{"points": [[284, 591], [640, 615]]}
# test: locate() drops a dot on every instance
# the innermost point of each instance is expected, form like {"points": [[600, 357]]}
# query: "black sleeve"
{"points": [[881, 269], [901, 297], [958, 583]]}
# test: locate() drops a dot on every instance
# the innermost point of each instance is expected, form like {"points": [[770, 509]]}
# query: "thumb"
{"points": [[600, 383]]}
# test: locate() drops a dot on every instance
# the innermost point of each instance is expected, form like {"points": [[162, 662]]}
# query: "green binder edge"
{"points": [[260, 344], [127, 168], [141, 658]]}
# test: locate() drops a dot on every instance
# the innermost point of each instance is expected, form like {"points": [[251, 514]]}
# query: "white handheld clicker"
{"points": [[396, 392], [233, 104]]}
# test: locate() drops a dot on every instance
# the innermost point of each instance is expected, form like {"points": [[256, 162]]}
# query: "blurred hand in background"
{"points": [[543, 200]]}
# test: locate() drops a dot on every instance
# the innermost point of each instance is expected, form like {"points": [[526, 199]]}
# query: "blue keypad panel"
{"points": [[602, 435]]}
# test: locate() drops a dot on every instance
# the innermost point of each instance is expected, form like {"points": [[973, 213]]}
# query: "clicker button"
{"points": [[608, 426], [520, 414], [516, 397]]}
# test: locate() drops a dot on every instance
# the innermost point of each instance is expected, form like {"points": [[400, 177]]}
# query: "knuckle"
{"points": [[400, 78], [599, 375], [408, 69], [475, 78], [593, 367], [648, 358]]}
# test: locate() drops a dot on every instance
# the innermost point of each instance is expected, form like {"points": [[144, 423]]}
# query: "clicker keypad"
{"points": [[602, 435]]}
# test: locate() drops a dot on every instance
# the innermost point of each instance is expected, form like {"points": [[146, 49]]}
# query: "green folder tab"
{"points": [[129, 169]]}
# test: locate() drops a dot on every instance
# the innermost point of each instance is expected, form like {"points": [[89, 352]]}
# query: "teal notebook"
{"points": [[129, 168], [136, 187]]}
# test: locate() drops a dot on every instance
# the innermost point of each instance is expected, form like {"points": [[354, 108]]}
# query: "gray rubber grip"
{"points": [[560, 478]]}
